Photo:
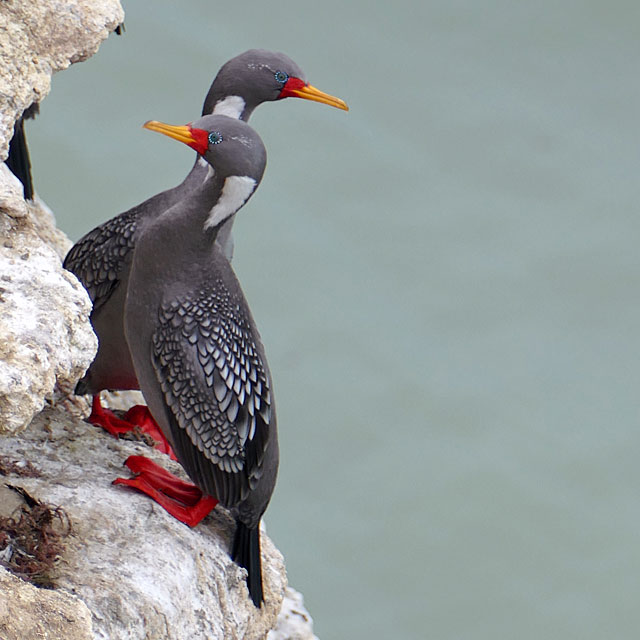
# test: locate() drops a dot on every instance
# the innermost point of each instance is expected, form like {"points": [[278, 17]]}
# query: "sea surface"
{"points": [[447, 281]]}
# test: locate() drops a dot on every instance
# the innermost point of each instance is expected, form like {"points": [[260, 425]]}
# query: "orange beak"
{"points": [[296, 88], [195, 138]]}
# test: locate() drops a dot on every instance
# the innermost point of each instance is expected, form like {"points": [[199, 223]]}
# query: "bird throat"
{"points": [[231, 106], [236, 190]]}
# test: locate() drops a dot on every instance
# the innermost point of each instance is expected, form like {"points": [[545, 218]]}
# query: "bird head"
{"points": [[234, 151], [258, 76]]}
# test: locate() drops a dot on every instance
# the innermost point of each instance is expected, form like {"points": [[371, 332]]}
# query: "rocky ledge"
{"points": [[140, 572]]}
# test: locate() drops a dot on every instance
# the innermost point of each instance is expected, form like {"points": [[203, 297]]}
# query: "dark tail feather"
{"points": [[246, 552], [81, 388], [18, 160]]}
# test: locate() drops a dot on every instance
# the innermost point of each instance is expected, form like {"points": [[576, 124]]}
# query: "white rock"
{"points": [[40, 37], [294, 621], [11, 200], [141, 573], [40, 613], [46, 336]]}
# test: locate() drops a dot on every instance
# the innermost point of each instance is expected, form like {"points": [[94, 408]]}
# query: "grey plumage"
{"points": [[197, 352], [205, 357], [101, 259], [97, 259]]}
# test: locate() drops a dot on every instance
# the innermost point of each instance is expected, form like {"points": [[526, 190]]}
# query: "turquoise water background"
{"points": [[446, 279]]}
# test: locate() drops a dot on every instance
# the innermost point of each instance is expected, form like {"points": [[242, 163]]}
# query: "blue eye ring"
{"points": [[215, 137], [281, 77]]}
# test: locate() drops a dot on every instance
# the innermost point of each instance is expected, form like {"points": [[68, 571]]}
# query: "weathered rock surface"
{"points": [[31, 613], [294, 621], [46, 339], [40, 37], [44, 311], [140, 572]]}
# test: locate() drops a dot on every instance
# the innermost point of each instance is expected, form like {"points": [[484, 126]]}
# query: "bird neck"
{"points": [[227, 104], [186, 219], [200, 216], [175, 247]]}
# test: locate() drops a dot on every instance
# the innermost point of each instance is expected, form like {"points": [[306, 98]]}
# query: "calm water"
{"points": [[446, 279]]}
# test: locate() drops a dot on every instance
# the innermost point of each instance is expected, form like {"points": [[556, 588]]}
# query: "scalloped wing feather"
{"points": [[216, 389], [97, 259]]}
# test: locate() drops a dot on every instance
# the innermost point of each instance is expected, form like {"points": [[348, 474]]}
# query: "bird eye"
{"points": [[281, 77], [215, 137]]}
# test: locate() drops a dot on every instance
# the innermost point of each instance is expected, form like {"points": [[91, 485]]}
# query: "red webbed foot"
{"points": [[138, 416], [105, 418], [183, 500]]}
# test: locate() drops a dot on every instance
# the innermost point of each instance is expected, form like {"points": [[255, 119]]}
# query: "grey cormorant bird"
{"points": [[197, 353], [101, 259]]}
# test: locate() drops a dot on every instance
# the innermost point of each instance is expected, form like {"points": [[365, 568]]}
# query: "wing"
{"points": [[217, 390], [97, 259]]}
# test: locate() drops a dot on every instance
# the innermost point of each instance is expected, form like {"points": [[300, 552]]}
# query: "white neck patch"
{"points": [[231, 106], [235, 192]]}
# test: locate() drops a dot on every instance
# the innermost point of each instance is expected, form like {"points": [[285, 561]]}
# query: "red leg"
{"points": [[141, 417], [137, 416], [184, 501], [165, 481], [105, 418]]}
